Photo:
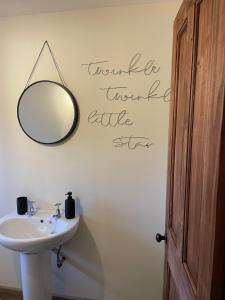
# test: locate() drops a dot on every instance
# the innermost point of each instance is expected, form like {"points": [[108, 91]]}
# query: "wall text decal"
{"points": [[121, 94], [111, 119], [100, 68], [132, 142], [118, 93]]}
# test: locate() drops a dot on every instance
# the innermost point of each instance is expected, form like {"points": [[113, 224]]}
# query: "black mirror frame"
{"points": [[76, 113]]}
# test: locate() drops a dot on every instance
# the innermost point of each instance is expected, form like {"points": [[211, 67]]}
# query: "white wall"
{"points": [[122, 192]]}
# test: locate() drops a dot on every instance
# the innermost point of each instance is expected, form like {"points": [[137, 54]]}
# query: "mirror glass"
{"points": [[47, 112]]}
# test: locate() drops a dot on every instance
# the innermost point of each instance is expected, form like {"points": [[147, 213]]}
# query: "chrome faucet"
{"points": [[58, 214], [32, 209]]}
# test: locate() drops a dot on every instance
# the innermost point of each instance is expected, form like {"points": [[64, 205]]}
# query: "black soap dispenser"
{"points": [[69, 206]]}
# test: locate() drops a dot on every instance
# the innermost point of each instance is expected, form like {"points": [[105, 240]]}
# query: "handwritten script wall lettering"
{"points": [[117, 93], [109, 119], [98, 68], [121, 94], [132, 142]]}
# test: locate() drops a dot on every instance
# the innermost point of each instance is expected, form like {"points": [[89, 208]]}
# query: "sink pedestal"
{"points": [[36, 275], [34, 237]]}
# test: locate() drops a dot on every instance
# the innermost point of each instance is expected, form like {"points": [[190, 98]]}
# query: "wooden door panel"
{"points": [[195, 218], [178, 272], [180, 133], [197, 144], [173, 295], [178, 158]]}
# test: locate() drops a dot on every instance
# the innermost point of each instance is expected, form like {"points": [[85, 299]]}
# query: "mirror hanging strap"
{"points": [[54, 61]]}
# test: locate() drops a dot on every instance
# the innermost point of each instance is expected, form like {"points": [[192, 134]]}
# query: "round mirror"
{"points": [[47, 112]]}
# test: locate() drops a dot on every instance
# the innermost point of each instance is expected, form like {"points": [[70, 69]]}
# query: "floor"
{"points": [[11, 295]]}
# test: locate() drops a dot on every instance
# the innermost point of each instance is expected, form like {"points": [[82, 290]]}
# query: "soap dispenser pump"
{"points": [[69, 206]]}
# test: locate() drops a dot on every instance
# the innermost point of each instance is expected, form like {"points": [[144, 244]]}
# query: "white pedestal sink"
{"points": [[34, 237]]}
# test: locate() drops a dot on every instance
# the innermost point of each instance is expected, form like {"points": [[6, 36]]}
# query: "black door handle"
{"points": [[160, 237]]}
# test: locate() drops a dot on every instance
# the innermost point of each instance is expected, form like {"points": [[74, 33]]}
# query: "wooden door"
{"points": [[195, 222]]}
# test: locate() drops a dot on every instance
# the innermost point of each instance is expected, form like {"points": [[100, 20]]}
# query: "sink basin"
{"points": [[32, 234], [34, 237]]}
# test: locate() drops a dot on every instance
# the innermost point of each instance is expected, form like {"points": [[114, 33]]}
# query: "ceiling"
{"points": [[22, 7]]}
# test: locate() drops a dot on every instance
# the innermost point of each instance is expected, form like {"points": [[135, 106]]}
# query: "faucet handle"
{"points": [[31, 205], [58, 212], [32, 208], [58, 205]]}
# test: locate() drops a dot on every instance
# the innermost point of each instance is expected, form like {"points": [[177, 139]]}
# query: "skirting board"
{"points": [[11, 292]]}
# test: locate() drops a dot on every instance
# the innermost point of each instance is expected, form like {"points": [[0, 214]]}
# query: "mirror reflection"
{"points": [[47, 112]]}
